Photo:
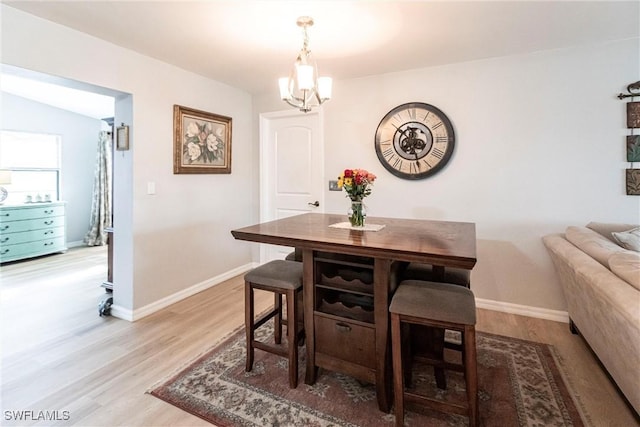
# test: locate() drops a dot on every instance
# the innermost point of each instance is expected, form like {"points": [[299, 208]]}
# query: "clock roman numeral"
{"points": [[427, 163], [397, 164], [425, 116], [442, 139], [437, 153], [437, 125], [388, 152], [414, 167], [412, 113]]}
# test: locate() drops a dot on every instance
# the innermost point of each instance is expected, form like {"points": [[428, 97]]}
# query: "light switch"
{"points": [[333, 186], [151, 187]]}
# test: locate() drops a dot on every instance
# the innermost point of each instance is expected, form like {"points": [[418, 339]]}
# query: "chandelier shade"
{"points": [[303, 89]]}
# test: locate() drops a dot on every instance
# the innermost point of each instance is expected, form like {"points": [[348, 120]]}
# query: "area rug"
{"points": [[519, 385]]}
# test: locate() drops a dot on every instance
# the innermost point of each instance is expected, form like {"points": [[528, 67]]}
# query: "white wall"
{"points": [[540, 146], [180, 236], [79, 145]]}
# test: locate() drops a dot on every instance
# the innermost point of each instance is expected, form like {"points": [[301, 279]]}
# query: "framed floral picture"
{"points": [[202, 141]]}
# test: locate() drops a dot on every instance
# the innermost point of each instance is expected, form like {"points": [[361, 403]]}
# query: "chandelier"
{"points": [[303, 89]]}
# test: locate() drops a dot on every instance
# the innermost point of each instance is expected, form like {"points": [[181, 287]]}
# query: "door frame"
{"points": [[265, 184]]}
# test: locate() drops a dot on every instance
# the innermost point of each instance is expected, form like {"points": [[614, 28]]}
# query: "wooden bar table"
{"points": [[440, 243]]}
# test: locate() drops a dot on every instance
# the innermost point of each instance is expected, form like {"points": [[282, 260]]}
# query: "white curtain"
{"points": [[101, 204]]}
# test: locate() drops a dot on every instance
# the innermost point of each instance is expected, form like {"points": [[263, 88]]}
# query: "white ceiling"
{"points": [[249, 44], [67, 98]]}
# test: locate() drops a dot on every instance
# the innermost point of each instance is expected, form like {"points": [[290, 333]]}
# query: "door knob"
{"points": [[316, 204]]}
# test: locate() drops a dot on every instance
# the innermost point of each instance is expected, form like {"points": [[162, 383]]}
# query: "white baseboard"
{"points": [[523, 310], [76, 244], [121, 313], [132, 316], [505, 307]]}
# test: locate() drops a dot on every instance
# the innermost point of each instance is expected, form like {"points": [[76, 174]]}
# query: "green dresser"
{"points": [[31, 230]]}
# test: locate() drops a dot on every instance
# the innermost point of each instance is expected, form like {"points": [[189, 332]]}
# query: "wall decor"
{"points": [[632, 176], [202, 142], [633, 182], [414, 140], [633, 89], [633, 114], [633, 148], [122, 137]]}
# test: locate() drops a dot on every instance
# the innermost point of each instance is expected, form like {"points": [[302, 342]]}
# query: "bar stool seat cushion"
{"points": [[437, 301], [296, 255], [420, 271], [280, 274]]}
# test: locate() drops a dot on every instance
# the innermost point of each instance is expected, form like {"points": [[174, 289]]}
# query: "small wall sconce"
{"points": [[122, 138]]}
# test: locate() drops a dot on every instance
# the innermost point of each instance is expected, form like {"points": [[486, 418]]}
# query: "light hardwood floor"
{"points": [[59, 355]]}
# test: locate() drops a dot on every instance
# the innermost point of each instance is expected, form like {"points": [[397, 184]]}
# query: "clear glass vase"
{"points": [[357, 213]]}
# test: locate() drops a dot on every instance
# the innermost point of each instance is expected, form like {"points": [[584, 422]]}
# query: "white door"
{"points": [[291, 158]]}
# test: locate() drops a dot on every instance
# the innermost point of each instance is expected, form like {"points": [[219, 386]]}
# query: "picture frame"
{"points": [[122, 138], [633, 115], [202, 142], [633, 148], [633, 182]]}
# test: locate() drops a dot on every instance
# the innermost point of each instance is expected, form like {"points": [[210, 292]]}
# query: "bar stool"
{"points": [[282, 278], [437, 305], [430, 339]]}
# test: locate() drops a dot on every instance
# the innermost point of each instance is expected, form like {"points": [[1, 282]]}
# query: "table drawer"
{"points": [[28, 212], [345, 340], [42, 247], [30, 236], [31, 224]]}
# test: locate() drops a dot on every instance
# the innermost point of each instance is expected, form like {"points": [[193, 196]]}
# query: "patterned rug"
{"points": [[519, 381]]}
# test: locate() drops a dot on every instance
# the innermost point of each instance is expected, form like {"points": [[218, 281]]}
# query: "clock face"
{"points": [[414, 140]]}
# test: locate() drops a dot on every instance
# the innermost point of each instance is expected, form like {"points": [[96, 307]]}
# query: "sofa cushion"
{"points": [[626, 265], [628, 239], [606, 228], [593, 244]]}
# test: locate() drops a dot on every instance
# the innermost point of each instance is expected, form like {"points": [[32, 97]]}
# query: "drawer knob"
{"points": [[48, 243], [5, 240], [6, 227], [48, 232], [48, 211], [5, 251], [48, 222], [5, 214], [343, 327]]}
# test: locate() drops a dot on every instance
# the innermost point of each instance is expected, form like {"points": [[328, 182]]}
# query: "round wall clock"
{"points": [[414, 140]]}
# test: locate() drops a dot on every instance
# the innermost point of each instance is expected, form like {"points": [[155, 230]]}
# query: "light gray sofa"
{"points": [[600, 277]]}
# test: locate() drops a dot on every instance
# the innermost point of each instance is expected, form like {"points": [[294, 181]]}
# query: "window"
{"points": [[34, 162]]}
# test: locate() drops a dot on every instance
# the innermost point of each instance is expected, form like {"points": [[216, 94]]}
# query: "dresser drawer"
{"points": [[345, 340], [31, 224], [41, 247], [29, 212], [30, 236]]}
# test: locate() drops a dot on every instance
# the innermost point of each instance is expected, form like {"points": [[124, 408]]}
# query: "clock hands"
{"points": [[411, 143]]}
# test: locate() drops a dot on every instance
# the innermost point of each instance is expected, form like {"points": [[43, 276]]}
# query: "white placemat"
{"points": [[366, 227]]}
